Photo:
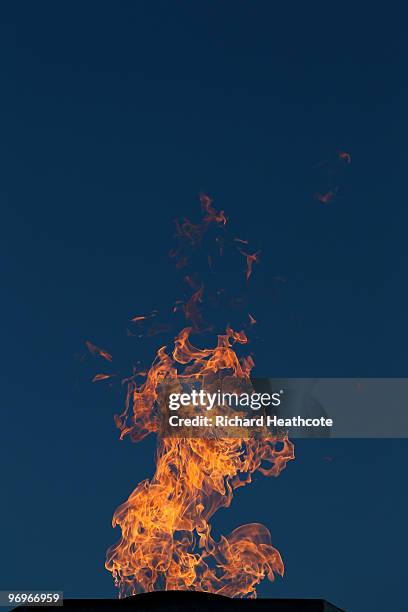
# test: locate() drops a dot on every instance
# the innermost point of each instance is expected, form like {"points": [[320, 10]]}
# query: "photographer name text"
{"points": [[258, 421]]}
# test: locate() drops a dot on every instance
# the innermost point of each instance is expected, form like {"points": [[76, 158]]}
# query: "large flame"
{"points": [[166, 540]]}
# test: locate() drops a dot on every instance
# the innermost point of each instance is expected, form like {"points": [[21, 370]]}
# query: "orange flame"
{"points": [[166, 538], [345, 156], [192, 308], [95, 350], [212, 215], [326, 197], [102, 377], [166, 541], [250, 260], [195, 231]]}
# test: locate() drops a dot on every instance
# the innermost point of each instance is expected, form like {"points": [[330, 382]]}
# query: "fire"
{"points": [[192, 308], [326, 197], [101, 377], [343, 155], [250, 260], [166, 538], [95, 350]]}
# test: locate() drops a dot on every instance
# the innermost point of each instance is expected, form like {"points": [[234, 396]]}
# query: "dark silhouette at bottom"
{"points": [[193, 601]]}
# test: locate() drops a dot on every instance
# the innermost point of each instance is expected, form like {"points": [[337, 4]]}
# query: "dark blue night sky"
{"points": [[114, 117]]}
